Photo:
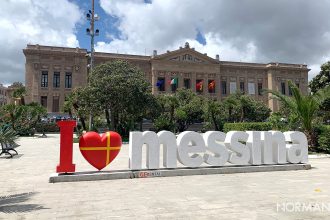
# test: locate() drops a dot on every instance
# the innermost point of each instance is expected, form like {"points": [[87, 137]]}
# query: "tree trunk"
{"points": [[112, 124], [70, 113], [230, 113], [214, 122], [312, 139], [242, 114], [107, 116], [83, 124]]}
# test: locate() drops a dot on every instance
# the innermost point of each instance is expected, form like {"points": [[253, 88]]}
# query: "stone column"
{"points": [[180, 79], [205, 84], [218, 86], [167, 84], [154, 82], [193, 82], [273, 105]]}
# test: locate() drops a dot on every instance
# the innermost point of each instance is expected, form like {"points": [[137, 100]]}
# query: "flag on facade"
{"points": [[174, 81], [160, 83], [199, 86], [211, 85]]}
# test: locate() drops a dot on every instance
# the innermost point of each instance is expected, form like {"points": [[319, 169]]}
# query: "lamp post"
{"points": [[92, 17]]}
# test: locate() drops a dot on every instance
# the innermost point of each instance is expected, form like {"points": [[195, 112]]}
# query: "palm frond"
{"points": [[287, 101]]}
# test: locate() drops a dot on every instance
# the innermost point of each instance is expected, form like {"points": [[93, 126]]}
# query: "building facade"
{"points": [[3, 95], [52, 72]]}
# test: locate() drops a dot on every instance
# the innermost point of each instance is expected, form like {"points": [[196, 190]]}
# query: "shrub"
{"points": [[323, 139], [47, 127], [7, 134], [163, 123], [247, 126]]}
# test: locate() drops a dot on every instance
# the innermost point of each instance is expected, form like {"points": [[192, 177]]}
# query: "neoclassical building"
{"points": [[52, 72]]}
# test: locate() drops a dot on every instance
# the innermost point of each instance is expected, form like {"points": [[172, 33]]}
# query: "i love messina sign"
{"points": [[190, 148]]}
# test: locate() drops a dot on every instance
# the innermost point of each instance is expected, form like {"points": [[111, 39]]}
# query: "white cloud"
{"points": [[295, 31], [44, 22]]}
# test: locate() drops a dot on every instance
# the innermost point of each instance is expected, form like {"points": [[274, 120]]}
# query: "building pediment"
{"points": [[186, 54]]}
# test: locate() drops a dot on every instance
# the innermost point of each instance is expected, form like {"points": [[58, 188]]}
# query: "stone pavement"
{"points": [[26, 194]]}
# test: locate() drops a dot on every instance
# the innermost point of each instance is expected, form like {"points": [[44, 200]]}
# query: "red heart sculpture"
{"points": [[98, 150]]}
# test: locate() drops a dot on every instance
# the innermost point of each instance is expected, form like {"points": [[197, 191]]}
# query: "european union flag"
{"points": [[160, 83]]}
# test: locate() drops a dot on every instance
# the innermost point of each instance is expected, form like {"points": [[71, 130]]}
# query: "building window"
{"points": [[241, 87], [211, 86], [233, 87], [44, 79], [56, 80], [43, 101], [186, 83], [56, 104], [297, 84], [251, 88], [283, 88], [224, 87], [187, 57], [174, 84], [259, 88], [199, 85], [161, 84], [68, 80], [290, 91]]}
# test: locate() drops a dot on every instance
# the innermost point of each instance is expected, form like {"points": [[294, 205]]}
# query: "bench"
{"points": [[6, 147]]}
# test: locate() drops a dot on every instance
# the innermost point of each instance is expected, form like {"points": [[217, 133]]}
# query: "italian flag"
{"points": [[174, 81]]}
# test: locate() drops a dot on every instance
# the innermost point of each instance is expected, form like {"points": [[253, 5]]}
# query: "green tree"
{"points": [[214, 114], [122, 92], [305, 107], [321, 81], [189, 110], [165, 119], [81, 103], [23, 118], [242, 108], [19, 92], [179, 110]]}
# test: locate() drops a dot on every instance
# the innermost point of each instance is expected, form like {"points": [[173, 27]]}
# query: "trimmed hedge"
{"points": [[247, 126]]}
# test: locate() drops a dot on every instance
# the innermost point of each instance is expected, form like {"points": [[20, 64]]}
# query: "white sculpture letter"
{"points": [[168, 140], [221, 154], [297, 152], [266, 148], [278, 144], [240, 154], [254, 145], [137, 139], [190, 142]]}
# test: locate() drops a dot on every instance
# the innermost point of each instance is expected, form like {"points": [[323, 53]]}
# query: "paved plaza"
{"points": [[26, 194]]}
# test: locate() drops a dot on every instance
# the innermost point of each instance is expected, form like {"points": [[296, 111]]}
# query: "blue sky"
{"points": [[107, 25]]}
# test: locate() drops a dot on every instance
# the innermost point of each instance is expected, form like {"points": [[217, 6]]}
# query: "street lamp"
{"points": [[92, 17]]}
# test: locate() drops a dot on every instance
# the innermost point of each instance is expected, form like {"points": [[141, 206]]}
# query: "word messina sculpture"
{"points": [[189, 148]]}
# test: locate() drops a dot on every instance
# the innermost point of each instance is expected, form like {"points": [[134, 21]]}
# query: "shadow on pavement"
{"points": [[12, 203], [15, 156]]}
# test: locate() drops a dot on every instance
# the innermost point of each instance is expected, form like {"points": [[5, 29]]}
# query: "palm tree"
{"points": [[305, 107], [19, 93], [7, 134], [214, 113]]}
